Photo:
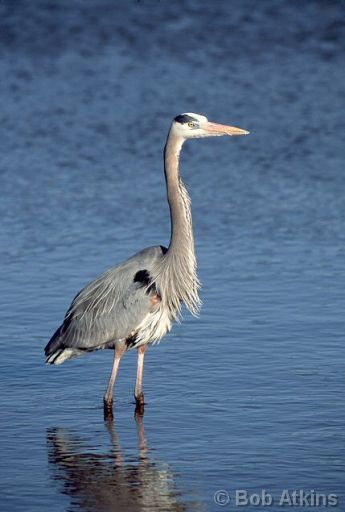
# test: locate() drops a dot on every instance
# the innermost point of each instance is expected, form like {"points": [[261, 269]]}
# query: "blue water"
{"points": [[250, 395]]}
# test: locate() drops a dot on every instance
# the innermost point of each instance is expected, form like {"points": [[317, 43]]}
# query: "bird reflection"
{"points": [[111, 481]]}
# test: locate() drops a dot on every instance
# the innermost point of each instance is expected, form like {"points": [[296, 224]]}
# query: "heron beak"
{"points": [[214, 129]]}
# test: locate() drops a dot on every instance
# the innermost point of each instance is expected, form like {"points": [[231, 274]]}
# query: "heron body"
{"points": [[135, 303], [112, 308]]}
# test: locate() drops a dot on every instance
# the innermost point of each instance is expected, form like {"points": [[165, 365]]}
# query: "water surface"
{"points": [[251, 394]]}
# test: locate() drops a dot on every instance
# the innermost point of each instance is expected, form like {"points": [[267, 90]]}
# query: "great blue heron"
{"points": [[135, 303]]}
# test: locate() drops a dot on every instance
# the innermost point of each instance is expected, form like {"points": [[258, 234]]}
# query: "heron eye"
{"points": [[191, 124]]}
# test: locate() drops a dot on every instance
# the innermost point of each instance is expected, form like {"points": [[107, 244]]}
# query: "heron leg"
{"points": [[138, 392], [108, 397]]}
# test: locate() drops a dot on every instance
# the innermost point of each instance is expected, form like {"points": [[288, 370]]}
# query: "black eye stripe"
{"points": [[184, 118]]}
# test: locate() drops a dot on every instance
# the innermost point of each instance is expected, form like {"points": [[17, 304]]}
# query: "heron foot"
{"points": [[139, 410], [139, 404], [108, 408], [139, 398]]}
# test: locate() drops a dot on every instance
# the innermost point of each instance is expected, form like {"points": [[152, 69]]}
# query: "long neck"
{"points": [[178, 268], [181, 239]]}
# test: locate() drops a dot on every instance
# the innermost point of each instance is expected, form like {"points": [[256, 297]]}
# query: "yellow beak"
{"points": [[222, 129]]}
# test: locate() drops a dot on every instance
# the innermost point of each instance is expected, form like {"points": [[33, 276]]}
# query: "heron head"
{"points": [[193, 126]]}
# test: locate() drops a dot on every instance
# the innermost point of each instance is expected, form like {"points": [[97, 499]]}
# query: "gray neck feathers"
{"points": [[175, 274]]}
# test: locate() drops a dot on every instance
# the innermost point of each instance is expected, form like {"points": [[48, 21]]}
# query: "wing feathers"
{"points": [[109, 308]]}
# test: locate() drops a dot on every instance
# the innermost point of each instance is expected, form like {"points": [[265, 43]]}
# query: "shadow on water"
{"points": [[112, 480]]}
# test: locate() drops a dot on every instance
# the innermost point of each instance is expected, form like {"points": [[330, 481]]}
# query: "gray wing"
{"points": [[110, 307]]}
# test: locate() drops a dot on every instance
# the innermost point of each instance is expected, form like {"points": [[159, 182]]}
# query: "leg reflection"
{"points": [[98, 478]]}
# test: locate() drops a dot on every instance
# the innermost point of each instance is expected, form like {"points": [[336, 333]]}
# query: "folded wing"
{"points": [[107, 309]]}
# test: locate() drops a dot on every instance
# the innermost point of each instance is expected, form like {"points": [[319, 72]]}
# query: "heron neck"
{"points": [[178, 198], [177, 274]]}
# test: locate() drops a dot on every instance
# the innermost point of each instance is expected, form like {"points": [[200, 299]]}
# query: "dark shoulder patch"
{"points": [[184, 118], [142, 277], [164, 249]]}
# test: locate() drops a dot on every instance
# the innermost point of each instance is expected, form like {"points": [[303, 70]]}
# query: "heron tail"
{"points": [[63, 354], [57, 353]]}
